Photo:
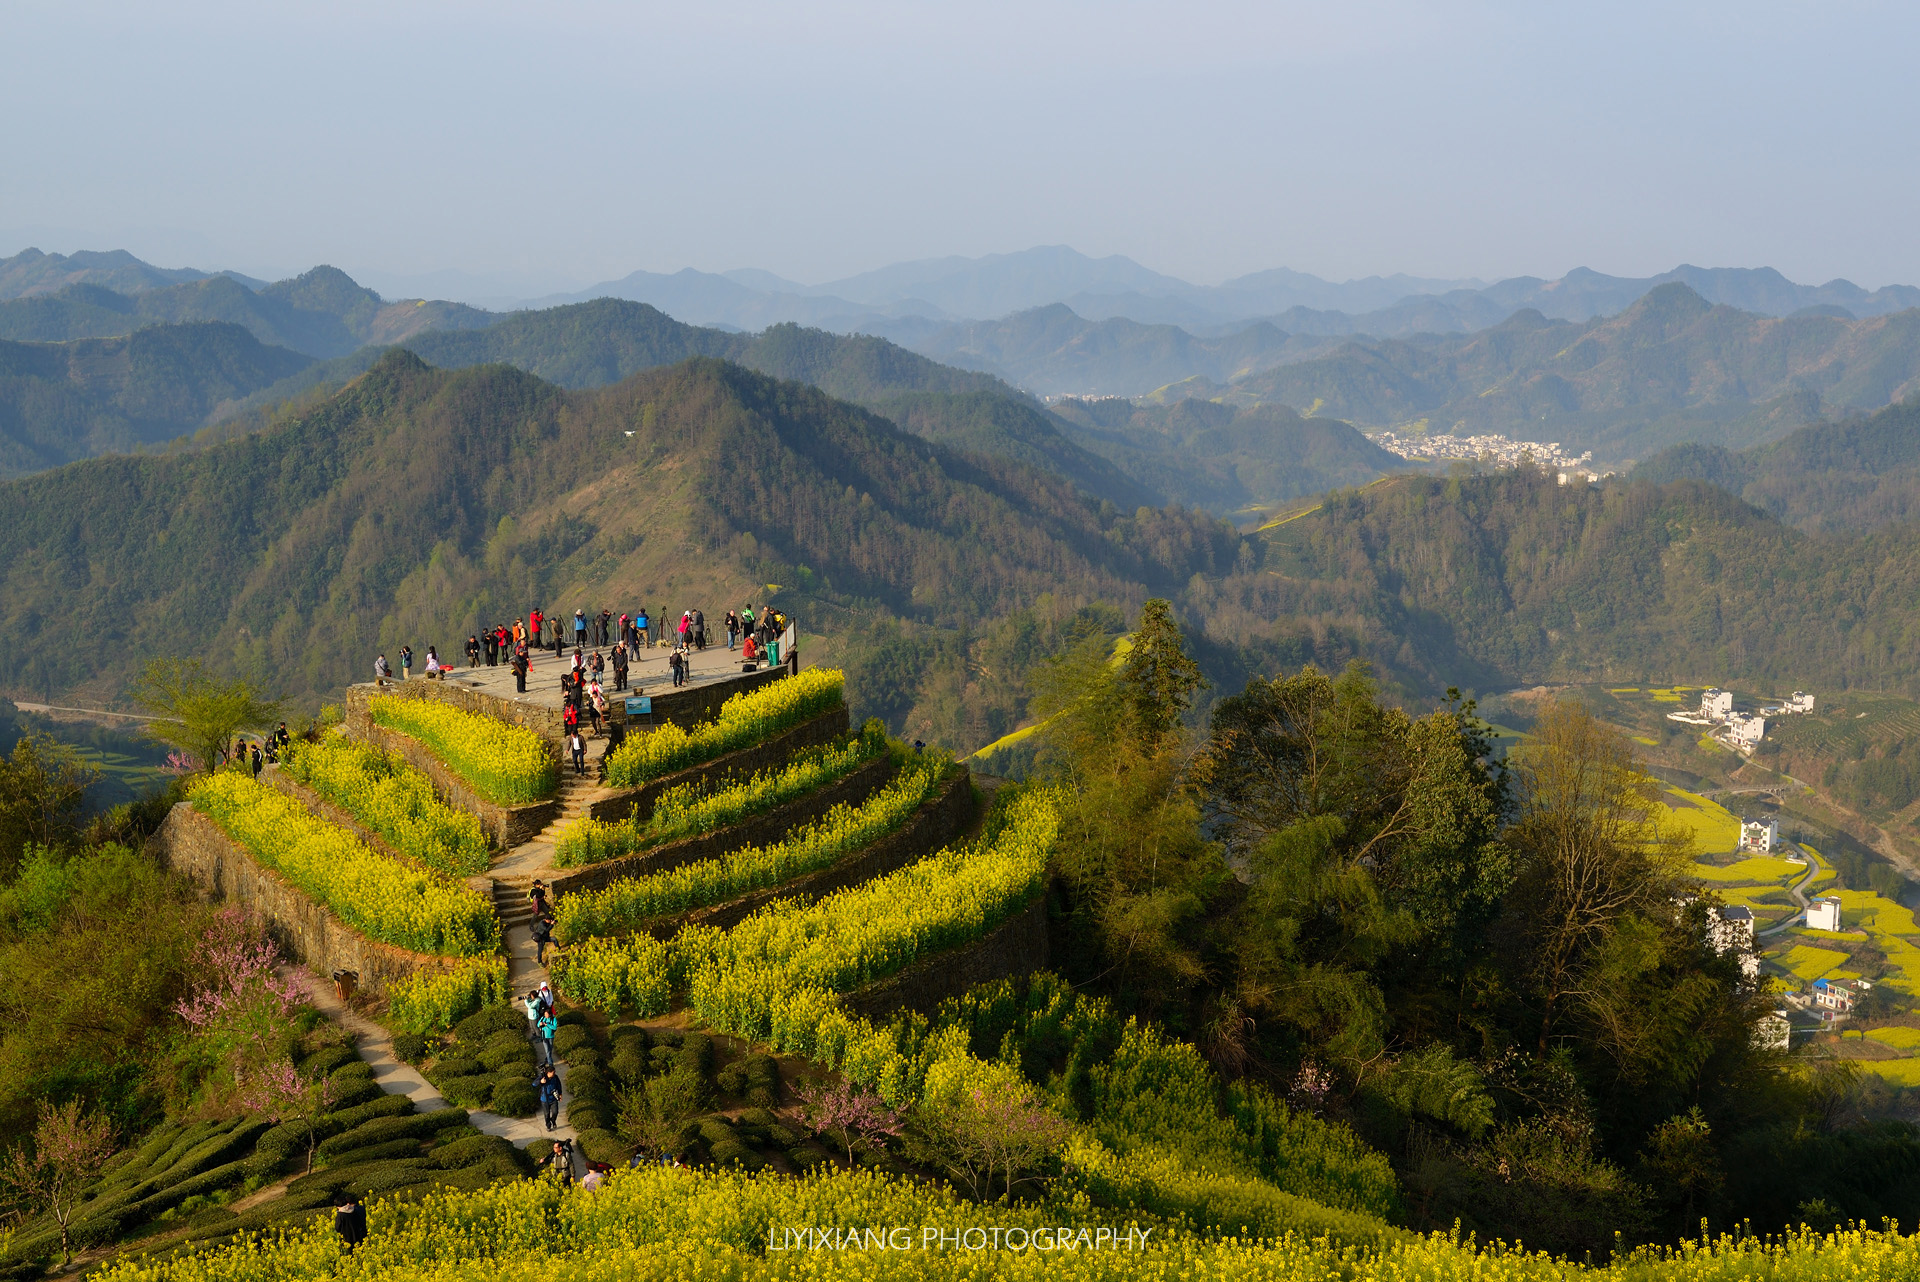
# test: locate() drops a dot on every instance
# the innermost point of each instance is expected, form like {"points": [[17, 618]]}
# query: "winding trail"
{"points": [[1798, 891]]}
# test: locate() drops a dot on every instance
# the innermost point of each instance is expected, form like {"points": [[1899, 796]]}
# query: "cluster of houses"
{"points": [[1739, 730], [1493, 449]]}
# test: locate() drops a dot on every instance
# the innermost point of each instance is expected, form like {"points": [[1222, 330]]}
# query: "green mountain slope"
{"points": [[1856, 474], [593, 344], [1222, 457], [1512, 579], [32, 272], [418, 501], [1670, 368], [322, 313], [64, 401], [1051, 351]]}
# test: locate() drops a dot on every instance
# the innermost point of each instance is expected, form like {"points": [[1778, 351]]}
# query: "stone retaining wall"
{"points": [[759, 830], [937, 823], [192, 844], [689, 705], [1018, 946], [686, 706], [537, 717], [774, 752], [505, 826]]}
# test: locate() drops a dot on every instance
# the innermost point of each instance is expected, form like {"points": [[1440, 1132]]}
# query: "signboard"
{"points": [[641, 707]]}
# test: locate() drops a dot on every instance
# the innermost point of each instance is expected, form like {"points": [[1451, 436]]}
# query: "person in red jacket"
{"points": [[533, 626]]}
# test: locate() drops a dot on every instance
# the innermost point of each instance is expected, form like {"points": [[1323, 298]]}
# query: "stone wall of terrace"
{"points": [[938, 822], [506, 826], [1018, 946], [616, 806], [221, 869]]}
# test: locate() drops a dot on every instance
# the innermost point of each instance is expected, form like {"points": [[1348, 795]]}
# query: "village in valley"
{"points": [[1812, 890]]}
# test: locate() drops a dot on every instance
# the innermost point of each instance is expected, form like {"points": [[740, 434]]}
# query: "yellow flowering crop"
{"points": [[611, 975], [690, 808], [433, 1001], [744, 720], [508, 765], [624, 905], [370, 892], [394, 800]]}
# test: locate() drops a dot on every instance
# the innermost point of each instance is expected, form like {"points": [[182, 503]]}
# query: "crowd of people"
{"points": [[584, 682]]}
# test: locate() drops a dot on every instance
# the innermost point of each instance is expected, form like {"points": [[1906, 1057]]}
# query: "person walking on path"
{"points": [[542, 936], [257, 763], [559, 637], [538, 894], [579, 627], [350, 1222], [547, 1083], [570, 717], [620, 666], [534, 1011], [733, 628], [534, 620], [473, 651], [678, 664], [548, 1027], [406, 663], [699, 629], [596, 703], [382, 670], [578, 747], [520, 671], [644, 627], [606, 627], [560, 1161]]}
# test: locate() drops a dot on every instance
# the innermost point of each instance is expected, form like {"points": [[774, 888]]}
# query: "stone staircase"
{"points": [[513, 872]]}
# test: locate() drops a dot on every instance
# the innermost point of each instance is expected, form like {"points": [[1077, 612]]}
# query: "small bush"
{"points": [[514, 1099], [393, 1128], [474, 1150], [601, 1145], [734, 1153], [479, 1027], [455, 1066], [326, 1060], [467, 1092], [516, 1057], [624, 1033], [376, 1153], [589, 1117], [716, 1130], [409, 1048], [386, 1106], [582, 1057], [629, 1065], [572, 1037], [696, 1054]]}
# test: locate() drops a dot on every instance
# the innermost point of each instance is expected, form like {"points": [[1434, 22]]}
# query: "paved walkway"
{"points": [[647, 674], [397, 1078]]}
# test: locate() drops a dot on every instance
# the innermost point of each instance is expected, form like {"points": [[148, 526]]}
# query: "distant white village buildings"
{"points": [[1760, 835], [1739, 730], [1730, 930], [1497, 450]]}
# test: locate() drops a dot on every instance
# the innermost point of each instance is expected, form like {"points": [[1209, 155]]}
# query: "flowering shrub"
{"points": [[369, 892], [432, 1001], [611, 975], [744, 720], [394, 800], [690, 808], [508, 765], [625, 904]]}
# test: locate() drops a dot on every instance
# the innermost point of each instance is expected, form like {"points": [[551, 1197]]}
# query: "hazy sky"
{"points": [[557, 144]]}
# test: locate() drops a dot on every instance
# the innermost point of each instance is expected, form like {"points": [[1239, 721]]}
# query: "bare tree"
{"points": [[991, 1141], [69, 1149], [1591, 849]]}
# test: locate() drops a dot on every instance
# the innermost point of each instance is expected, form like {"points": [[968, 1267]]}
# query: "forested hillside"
{"points": [[1670, 368], [418, 503], [1512, 579], [1222, 457], [322, 313], [1851, 475], [65, 401]]}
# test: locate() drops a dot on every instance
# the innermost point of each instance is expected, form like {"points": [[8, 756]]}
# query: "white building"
{"points": [[1773, 1032], [1800, 702], [1746, 732], [1824, 913], [1760, 835], [1716, 705]]}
